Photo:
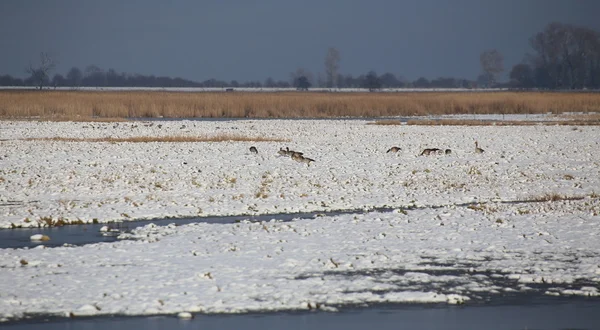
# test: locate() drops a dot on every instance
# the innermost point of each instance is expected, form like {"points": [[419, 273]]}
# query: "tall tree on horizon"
{"points": [[40, 74], [492, 64], [301, 72], [566, 56], [332, 66], [74, 77]]}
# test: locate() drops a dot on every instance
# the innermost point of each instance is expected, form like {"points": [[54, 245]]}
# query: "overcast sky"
{"points": [[256, 39]]}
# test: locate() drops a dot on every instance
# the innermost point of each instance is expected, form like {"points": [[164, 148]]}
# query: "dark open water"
{"points": [[540, 313], [90, 233]]}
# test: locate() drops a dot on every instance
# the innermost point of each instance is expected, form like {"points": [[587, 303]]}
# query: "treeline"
{"points": [[94, 76], [564, 57], [100, 78]]}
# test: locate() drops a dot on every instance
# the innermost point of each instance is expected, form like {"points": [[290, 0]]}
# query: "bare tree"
{"points": [[301, 83], [566, 56], [94, 76], [521, 76], [269, 82], [372, 81], [301, 72], [74, 77], [40, 74], [332, 65], [492, 63]]}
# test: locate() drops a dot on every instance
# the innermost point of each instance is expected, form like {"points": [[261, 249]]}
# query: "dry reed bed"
{"points": [[176, 138], [82, 105]]}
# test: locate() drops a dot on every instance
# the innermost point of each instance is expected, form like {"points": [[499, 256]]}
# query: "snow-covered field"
{"points": [[432, 249], [95, 181]]}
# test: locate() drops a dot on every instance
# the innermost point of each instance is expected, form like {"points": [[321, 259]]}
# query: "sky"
{"points": [[255, 39]]}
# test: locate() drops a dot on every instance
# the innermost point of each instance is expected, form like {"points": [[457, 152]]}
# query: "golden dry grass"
{"points": [[181, 138], [462, 122], [77, 118], [587, 117], [578, 121], [389, 122], [554, 197], [86, 105], [467, 122]]}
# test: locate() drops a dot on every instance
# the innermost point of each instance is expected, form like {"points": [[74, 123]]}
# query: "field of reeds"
{"points": [[114, 105]]}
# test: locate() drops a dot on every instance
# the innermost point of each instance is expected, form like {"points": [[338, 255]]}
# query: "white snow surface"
{"points": [[432, 249], [102, 181]]}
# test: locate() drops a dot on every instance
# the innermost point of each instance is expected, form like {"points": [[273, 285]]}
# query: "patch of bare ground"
{"points": [[554, 197], [173, 138]]}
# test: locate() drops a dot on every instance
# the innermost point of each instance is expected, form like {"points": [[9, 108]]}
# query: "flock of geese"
{"points": [[295, 155], [437, 151], [299, 156]]}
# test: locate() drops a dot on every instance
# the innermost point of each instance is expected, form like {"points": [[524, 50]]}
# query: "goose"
{"points": [[288, 152], [301, 159], [477, 149], [429, 151]]}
